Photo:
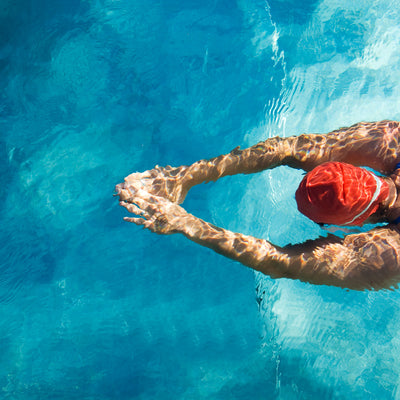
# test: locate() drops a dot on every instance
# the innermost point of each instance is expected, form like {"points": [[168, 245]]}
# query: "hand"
{"points": [[157, 214], [166, 182]]}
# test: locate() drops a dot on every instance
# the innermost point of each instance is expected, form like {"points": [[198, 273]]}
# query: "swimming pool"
{"points": [[95, 308]]}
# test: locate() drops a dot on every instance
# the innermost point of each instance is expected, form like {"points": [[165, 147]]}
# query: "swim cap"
{"points": [[340, 194]]}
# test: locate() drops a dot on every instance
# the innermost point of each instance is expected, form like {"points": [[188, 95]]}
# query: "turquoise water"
{"points": [[95, 308]]}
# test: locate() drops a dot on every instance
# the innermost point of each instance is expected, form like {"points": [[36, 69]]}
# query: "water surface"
{"points": [[95, 308]]}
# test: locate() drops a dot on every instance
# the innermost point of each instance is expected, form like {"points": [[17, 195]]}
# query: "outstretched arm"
{"points": [[373, 144], [364, 261]]}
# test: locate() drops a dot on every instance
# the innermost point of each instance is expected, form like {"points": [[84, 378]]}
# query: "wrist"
{"points": [[189, 226]]}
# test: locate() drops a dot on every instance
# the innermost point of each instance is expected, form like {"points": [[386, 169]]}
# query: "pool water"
{"points": [[95, 308]]}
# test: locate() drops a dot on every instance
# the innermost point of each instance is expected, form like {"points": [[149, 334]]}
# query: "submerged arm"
{"points": [[364, 261], [372, 145]]}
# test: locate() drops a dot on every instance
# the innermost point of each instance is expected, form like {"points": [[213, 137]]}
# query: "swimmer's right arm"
{"points": [[372, 145]]}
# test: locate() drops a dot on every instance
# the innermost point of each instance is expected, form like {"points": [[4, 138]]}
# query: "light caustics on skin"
{"points": [[369, 260]]}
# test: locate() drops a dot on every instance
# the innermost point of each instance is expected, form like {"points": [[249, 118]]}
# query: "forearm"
{"points": [[293, 262], [264, 155], [255, 253]]}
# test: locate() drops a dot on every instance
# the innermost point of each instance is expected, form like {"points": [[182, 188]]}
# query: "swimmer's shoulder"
{"points": [[380, 239], [377, 256]]}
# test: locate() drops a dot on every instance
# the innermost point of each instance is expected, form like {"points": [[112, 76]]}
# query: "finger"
{"points": [[147, 201], [136, 185], [141, 203], [118, 188], [122, 189], [133, 191], [125, 194], [137, 221], [134, 209]]}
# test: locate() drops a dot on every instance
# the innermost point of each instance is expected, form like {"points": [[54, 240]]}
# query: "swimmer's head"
{"points": [[340, 194]]}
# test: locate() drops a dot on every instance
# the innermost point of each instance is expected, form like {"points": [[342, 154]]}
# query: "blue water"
{"points": [[95, 308]]}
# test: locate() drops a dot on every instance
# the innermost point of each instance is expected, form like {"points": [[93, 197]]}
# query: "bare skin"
{"points": [[368, 260]]}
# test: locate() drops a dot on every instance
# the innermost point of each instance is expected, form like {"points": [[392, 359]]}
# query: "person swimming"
{"points": [[336, 190]]}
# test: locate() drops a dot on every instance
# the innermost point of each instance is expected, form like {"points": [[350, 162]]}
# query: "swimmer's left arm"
{"points": [[359, 263], [365, 261]]}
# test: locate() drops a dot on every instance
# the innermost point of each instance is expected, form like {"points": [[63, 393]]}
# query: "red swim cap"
{"points": [[340, 194]]}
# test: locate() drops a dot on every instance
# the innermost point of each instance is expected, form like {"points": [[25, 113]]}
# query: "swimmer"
{"points": [[336, 190]]}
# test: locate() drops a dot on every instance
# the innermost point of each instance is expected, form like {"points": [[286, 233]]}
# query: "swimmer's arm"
{"points": [[364, 261], [365, 144], [370, 144]]}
